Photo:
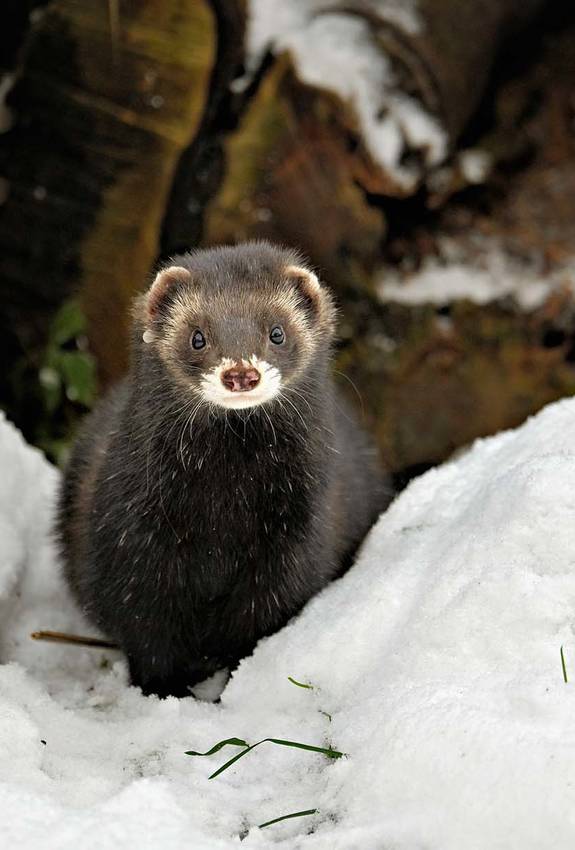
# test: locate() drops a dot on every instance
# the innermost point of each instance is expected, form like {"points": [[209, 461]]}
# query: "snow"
{"points": [[475, 165], [494, 278], [338, 52], [436, 657]]}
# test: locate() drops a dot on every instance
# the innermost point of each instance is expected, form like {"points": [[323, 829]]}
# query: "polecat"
{"points": [[223, 482]]}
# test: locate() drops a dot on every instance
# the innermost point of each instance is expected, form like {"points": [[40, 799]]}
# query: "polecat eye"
{"points": [[198, 340], [277, 335]]}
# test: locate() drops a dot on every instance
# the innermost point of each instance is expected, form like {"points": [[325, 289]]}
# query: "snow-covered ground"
{"points": [[435, 664]]}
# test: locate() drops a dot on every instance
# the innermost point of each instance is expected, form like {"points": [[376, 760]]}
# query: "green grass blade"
{"points": [[239, 742], [300, 684], [565, 679], [233, 760], [326, 751], [286, 817], [231, 742]]}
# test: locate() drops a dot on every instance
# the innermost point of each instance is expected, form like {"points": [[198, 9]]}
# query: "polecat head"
{"points": [[235, 325]]}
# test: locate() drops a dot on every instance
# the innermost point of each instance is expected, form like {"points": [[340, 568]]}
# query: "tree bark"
{"points": [[108, 97]]}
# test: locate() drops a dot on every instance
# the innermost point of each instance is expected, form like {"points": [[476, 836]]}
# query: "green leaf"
{"points": [[286, 817], [67, 369], [51, 383], [565, 679], [79, 375], [300, 684], [68, 323]]}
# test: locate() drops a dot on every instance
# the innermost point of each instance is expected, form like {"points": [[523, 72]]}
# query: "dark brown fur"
{"points": [[188, 531]]}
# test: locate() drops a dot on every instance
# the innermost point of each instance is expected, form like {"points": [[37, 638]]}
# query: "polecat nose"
{"points": [[240, 379]]}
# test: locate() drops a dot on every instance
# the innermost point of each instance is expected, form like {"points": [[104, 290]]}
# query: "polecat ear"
{"points": [[307, 284], [165, 282]]}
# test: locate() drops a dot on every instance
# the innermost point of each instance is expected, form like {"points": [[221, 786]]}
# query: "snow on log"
{"points": [[413, 72]]}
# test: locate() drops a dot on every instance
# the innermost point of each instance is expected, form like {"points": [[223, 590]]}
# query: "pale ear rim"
{"points": [[165, 280], [312, 296], [302, 273]]}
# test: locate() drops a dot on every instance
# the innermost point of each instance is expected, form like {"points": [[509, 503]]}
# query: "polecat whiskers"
{"points": [[283, 395]]}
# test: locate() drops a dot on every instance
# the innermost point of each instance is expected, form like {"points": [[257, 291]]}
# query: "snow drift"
{"points": [[434, 662]]}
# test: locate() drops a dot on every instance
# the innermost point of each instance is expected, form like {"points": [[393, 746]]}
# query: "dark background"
{"points": [[123, 139]]}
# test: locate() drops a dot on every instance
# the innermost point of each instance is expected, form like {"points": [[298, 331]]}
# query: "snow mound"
{"points": [[434, 662]]}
